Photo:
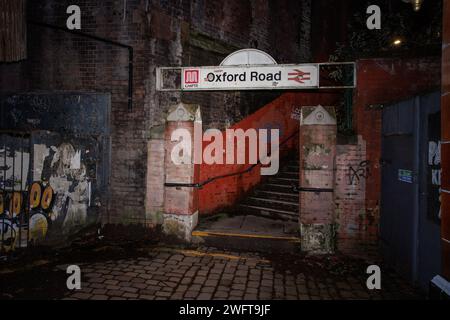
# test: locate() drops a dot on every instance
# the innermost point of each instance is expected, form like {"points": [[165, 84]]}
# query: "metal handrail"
{"points": [[311, 189], [199, 185]]}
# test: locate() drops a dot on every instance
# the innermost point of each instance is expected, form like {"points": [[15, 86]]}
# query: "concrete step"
{"points": [[269, 212], [275, 198], [283, 181], [290, 173], [293, 197], [283, 205], [292, 168], [291, 203], [276, 187], [248, 233]]}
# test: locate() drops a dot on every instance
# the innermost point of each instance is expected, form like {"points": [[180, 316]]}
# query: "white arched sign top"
{"points": [[248, 57]]}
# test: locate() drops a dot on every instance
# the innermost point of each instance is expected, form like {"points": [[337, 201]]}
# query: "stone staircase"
{"points": [[275, 197], [265, 221]]}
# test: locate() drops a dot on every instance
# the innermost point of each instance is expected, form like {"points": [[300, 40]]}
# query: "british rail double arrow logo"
{"points": [[299, 76]]}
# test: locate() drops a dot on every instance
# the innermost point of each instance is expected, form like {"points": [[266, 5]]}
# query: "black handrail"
{"points": [[310, 189], [209, 180]]}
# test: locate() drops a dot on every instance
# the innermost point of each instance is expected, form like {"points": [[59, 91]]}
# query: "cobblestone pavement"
{"points": [[208, 273]]}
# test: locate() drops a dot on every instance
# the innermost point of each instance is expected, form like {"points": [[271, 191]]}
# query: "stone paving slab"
{"points": [[208, 273]]}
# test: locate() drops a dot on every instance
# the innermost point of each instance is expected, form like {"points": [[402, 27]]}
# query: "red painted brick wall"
{"points": [[383, 81], [226, 192]]}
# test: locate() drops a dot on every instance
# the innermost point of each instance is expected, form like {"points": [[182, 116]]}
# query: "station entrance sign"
{"points": [[250, 77], [252, 69]]}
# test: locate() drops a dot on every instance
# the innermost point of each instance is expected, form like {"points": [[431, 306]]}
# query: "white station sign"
{"points": [[250, 77]]}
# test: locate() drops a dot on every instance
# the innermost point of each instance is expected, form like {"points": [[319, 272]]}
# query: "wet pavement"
{"points": [[161, 272]]}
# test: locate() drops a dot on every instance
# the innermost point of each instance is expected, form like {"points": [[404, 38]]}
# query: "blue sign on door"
{"points": [[405, 175]]}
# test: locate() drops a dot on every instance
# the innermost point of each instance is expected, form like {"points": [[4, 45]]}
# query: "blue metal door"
{"points": [[409, 227], [397, 207]]}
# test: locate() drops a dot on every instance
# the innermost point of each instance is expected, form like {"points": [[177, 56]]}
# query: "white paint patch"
{"points": [[60, 186], [75, 162], [41, 151], [71, 185]]}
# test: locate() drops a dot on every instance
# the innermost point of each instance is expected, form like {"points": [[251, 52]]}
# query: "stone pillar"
{"points": [[317, 165], [181, 203]]}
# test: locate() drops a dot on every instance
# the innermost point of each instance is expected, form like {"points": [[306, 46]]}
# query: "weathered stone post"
{"points": [[181, 203], [318, 132]]}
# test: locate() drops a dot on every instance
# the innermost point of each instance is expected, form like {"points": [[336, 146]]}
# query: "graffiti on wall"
{"points": [[63, 167], [25, 215], [14, 165], [296, 113], [434, 169], [359, 172], [59, 198]]}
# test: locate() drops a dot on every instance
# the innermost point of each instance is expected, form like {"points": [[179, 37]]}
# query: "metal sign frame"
{"points": [[160, 70]]}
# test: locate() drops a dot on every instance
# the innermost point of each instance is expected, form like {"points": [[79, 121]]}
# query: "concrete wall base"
{"points": [[180, 226], [318, 238]]}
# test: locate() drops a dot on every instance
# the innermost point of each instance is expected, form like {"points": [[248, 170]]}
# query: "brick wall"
{"points": [[155, 181], [162, 33], [357, 229], [330, 26], [358, 171], [384, 81]]}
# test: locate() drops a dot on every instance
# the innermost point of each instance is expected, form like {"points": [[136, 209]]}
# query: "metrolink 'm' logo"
{"points": [[251, 146], [191, 76]]}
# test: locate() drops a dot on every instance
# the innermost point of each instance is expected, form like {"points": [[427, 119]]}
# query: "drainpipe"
{"points": [[108, 41]]}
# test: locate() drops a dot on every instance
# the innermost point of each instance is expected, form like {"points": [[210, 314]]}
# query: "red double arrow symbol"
{"points": [[299, 76]]}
